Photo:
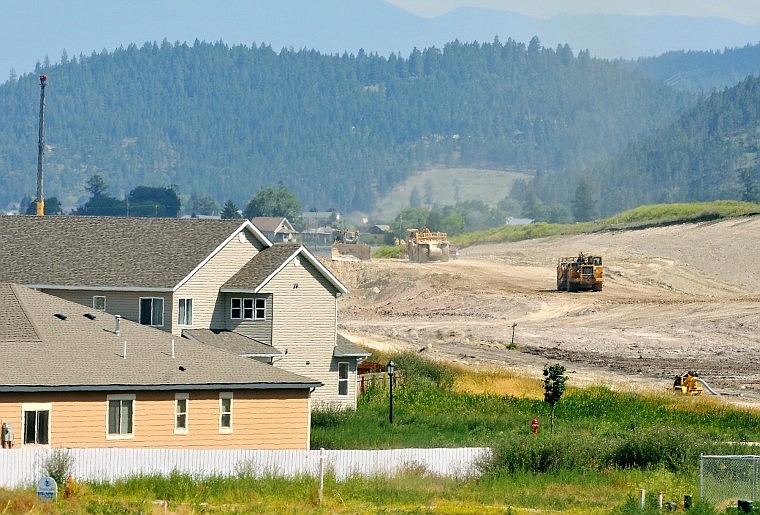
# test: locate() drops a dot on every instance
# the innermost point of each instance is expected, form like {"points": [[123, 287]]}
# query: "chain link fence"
{"points": [[723, 480]]}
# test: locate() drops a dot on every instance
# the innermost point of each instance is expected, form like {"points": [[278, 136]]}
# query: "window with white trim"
{"points": [[343, 378], [152, 311], [180, 412], [260, 309], [121, 412], [225, 412], [36, 423], [185, 312], [248, 308], [99, 302], [236, 311]]}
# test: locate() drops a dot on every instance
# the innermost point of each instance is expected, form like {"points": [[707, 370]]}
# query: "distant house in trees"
{"points": [[277, 229], [324, 235], [380, 229], [219, 282]]}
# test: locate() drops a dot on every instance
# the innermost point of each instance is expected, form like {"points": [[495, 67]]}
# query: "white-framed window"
{"points": [[248, 308], [343, 378], [120, 416], [181, 401], [99, 302], [236, 309], [225, 412], [152, 311], [36, 423], [185, 312], [260, 309]]}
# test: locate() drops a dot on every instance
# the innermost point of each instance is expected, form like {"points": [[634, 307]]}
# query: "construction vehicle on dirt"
{"points": [[347, 246], [580, 272], [423, 246], [688, 384]]}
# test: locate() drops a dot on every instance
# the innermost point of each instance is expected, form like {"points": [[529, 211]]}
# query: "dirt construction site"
{"points": [[675, 298]]}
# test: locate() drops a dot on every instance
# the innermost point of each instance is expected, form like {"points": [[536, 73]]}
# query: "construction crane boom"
{"points": [[41, 149]]}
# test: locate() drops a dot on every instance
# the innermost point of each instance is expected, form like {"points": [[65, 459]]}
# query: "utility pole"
{"points": [[41, 149]]}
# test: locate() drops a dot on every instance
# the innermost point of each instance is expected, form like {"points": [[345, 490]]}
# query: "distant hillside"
{"points": [[339, 130], [704, 71], [447, 187], [47, 27], [709, 153]]}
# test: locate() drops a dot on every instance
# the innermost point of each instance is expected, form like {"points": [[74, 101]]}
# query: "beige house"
{"points": [[275, 228], [219, 282], [74, 377]]}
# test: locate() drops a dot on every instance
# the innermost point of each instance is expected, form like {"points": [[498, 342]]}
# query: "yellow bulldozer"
{"points": [[347, 247], [582, 272], [688, 384]]}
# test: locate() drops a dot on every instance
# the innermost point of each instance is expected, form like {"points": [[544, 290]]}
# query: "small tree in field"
{"points": [[554, 386]]}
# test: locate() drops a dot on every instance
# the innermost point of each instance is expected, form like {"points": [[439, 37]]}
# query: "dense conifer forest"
{"points": [[338, 130], [702, 71], [709, 153]]}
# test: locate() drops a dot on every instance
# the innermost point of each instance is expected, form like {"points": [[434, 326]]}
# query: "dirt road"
{"points": [[676, 298]]}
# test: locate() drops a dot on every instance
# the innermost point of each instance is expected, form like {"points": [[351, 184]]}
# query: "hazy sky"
{"points": [[742, 11]]}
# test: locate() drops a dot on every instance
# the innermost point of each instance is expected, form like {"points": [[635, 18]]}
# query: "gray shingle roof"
{"points": [[83, 354], [232, 342], [108, 252], [255, 274], [346, 348]]}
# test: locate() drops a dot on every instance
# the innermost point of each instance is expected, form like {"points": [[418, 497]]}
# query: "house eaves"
{"points": [[159, 387], [340, 353], [96, 288]]}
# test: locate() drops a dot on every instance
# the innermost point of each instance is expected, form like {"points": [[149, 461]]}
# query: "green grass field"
{"points": [[445, 186], [606, 446], [639, 218]]}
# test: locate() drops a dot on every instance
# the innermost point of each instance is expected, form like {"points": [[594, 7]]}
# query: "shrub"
{"points": [[673, 449], [387, 252], [329, 416], [542, 454], [59, 465], [416, 369]]}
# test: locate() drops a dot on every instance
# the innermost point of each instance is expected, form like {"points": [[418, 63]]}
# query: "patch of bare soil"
{"points": [[676, 298]]}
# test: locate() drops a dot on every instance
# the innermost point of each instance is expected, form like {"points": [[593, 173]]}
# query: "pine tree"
{"points": [[230, 211]]}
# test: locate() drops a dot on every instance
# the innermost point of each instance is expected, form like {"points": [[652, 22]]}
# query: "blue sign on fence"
{"points": [[47, 488]]}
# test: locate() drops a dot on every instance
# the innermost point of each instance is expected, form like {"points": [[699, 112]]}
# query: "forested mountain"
{"points": [[339, 130], [704, 71], [709, 153]]}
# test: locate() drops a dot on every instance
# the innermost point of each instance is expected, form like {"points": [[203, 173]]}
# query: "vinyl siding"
{"points": [[305, 326], [209, 308], [259, 330], [261, 419], [126, 304]]}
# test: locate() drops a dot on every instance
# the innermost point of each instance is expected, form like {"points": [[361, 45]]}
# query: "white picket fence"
{"points": [[23, 467]]}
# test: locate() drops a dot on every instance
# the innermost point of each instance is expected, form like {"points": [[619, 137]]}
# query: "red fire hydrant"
{"points": [[534, 426]]}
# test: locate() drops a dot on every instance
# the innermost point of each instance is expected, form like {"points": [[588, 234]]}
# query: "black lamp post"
{"points": [[391, 367]]}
